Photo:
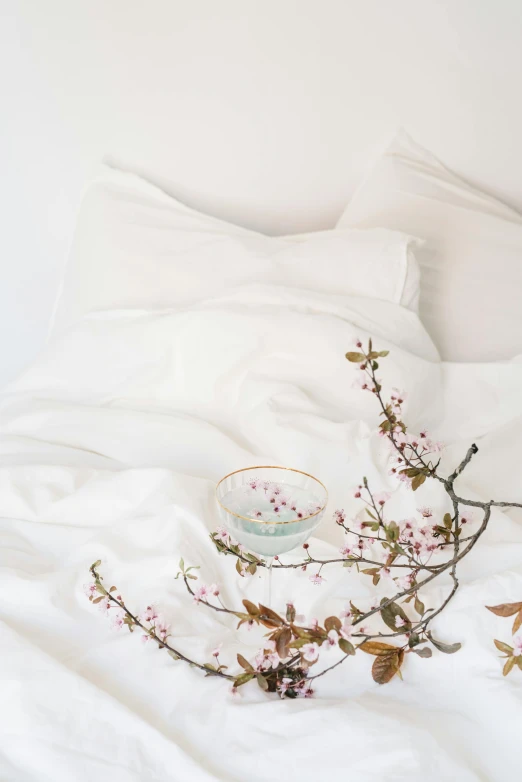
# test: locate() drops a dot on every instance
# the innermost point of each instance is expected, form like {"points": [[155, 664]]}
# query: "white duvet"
{"points": [[110, 448]]}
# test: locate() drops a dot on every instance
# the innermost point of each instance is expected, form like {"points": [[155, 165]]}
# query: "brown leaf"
{"points": [[391, 612], [332, 623], [252, 609], [283, 639], [508, 666], [517, 623], [356, 358], [505, 609], [377, 648], [385, 667], [502, 647], [244, 663], [417, 481]]}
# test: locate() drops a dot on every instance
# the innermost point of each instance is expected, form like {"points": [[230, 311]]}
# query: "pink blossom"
{"points": [[363, 383], [347, 628], [118, 620], [310, 652], [385, 572], [149, 615], [201, 593], [145, 638], [284, 685], [399, 621], [104, 605], [317, 579], [404, 582], [222, 534], [346, 612], [346, 550], [253, 483], [161, 629], [358, 343], [517, 645], [425, 512], [213, 589], [356, 525], [90, 589], [382, 497], [314, 623], [331, 639], [216, 651], [467, 517]]}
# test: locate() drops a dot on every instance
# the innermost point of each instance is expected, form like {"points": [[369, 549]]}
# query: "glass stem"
{"points": [[268, 582]]}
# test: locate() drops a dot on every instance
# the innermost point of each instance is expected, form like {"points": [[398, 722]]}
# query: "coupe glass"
{"points": [[271, 510]]}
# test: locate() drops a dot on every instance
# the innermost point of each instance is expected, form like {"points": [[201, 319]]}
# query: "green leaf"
{"points": [[238, 567], [345, 646], [252, 568], [446, 648], [419, 606], [96, 564], [243, 679], [448, 522], [173, 654], [356, 358], [417, 481], [261, 680], [502, 647], [391, 612], [181, 565]]}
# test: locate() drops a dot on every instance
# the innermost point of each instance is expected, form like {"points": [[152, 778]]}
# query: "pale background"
{"points": [[265, 112]]}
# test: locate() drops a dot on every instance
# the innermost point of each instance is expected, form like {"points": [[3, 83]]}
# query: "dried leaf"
{"points": [[508, 666], [332, 623], [244, 663], [290, 612], [442, 647], [356, 358], [424, 652], [517, 623], [377, 648], [238, 567], [502, 647], [283, 639], [417, 481], [97, 599], [385, 667], [252, 568], [345, 646], [505, 609], [448, 522]]}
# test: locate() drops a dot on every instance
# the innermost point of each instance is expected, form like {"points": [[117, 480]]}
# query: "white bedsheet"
{"points": [[110, 447]]}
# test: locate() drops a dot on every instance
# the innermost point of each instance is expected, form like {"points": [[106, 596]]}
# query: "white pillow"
{"points": [[471, 263], [137, 247]]}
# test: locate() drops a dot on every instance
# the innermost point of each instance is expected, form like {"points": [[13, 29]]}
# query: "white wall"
{"points": [[266, 112]]}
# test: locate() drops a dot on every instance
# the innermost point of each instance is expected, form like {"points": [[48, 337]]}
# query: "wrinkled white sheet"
{"points": [[110, 447]]}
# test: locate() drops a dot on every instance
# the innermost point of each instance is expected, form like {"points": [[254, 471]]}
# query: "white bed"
{"points": [[111, 444]]}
